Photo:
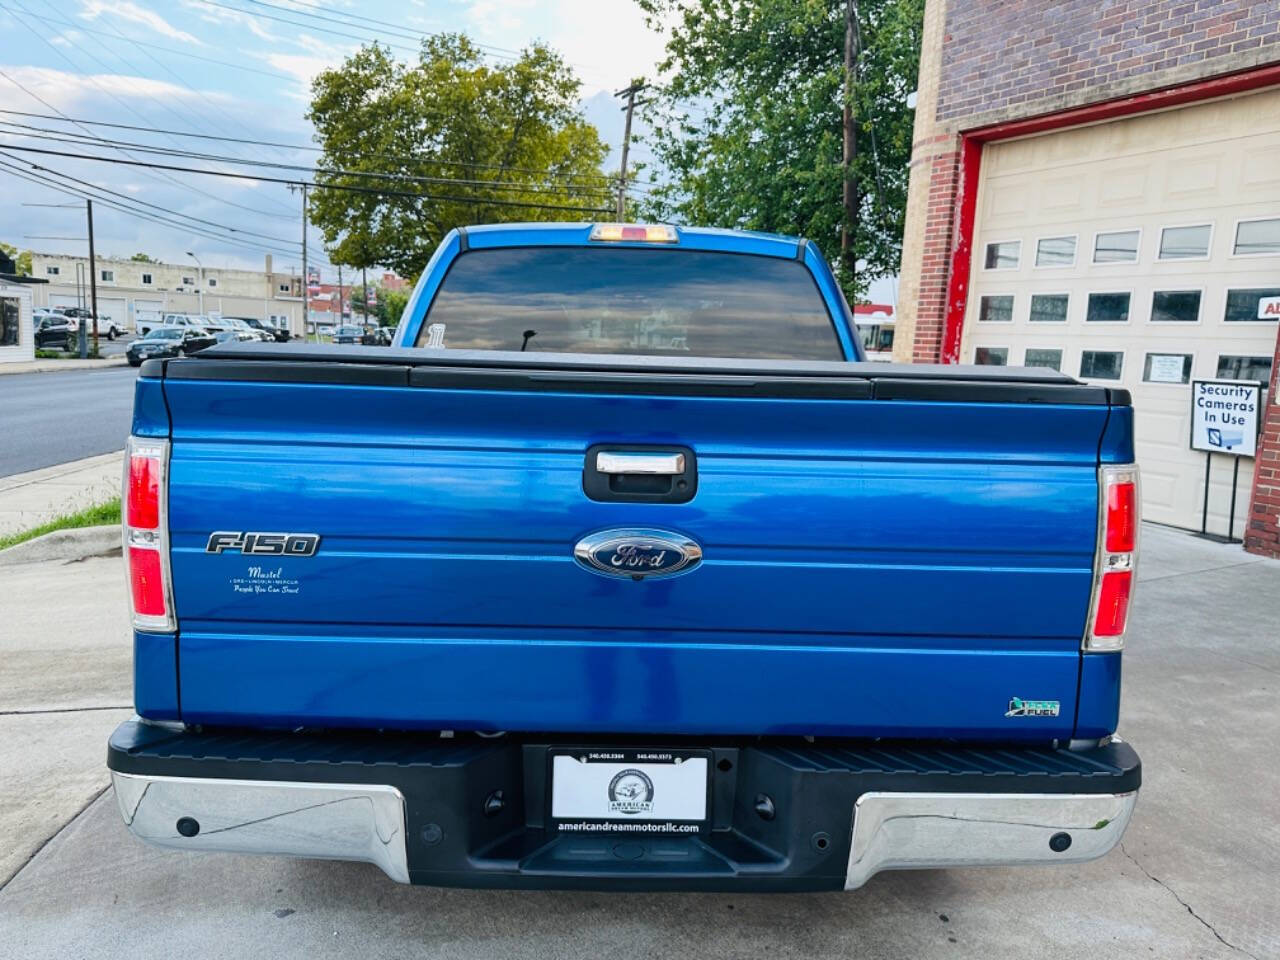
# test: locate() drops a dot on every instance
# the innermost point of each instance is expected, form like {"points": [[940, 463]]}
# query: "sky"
{"points": [[241, 68]]}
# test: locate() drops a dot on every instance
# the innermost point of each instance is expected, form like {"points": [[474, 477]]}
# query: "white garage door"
{"points": [[115, 309], [1135, 253], [147, 312]]}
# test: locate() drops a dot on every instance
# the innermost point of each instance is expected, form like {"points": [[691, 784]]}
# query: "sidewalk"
{"points": [[29, 499], [55, 366]]}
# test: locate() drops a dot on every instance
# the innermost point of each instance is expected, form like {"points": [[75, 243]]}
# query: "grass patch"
{"points": [[98, 516]]}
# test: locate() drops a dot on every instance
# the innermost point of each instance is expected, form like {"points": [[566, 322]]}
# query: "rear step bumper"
{"points": [[475, 812]]}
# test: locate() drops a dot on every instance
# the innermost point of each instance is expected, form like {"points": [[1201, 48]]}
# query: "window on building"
{"points": [[1048, 308], [1244, 368], [996, 309], [1043, 357], [10, 321], [146, 279], [213, 281], [1056, 252], [1254, 237], [1117, 246], [1245, 305], [1167, 368], [1175, 306], [107, 276], [284, 288], [991, 356], [1101, 364], [1107, 308], [1185, 243], [1003, 255], [53, 271], [188, 281]]}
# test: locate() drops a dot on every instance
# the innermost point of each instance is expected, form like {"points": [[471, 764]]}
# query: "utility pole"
{"points": [[850, 139], [306, 297], [630, 93], [93, 292], [341, 311], [200, 284], [364, 286]]}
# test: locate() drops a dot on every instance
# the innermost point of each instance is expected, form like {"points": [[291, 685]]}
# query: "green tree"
{"points": [[21, 259], [143, 258], [748, 130], [386, 305], [508, 141]]}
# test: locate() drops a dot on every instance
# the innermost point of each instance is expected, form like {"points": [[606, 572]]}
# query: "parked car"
{"points": [[377, 336], [175, 341], [278, 334], [174, 320], [56, 332], [686, 596], [106, 326], [243, 331], [38, 314], [226, 336], [347, 334]]}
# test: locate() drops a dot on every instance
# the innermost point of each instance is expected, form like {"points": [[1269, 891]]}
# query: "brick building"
{"points": [[1095, 187]]}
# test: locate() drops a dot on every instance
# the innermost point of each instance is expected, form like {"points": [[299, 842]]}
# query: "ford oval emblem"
{"points": [[637, 553]]}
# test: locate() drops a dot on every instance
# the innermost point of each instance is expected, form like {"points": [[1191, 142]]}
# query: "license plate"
{"points": [[651, 791]]}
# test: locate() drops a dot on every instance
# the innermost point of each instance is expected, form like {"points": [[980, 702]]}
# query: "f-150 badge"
{"points": [[636, 554], [264, 544]]}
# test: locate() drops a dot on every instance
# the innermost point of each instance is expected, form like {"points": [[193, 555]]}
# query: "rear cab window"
{"points": [[625, 300]]}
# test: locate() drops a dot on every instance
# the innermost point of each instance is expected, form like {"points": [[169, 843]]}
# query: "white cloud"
{"points": [[66, 90], [606, 41], [126, 10], [225, 15]]}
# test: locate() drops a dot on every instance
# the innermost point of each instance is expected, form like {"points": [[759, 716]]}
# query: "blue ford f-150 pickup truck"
{"points": [[623, 569]]}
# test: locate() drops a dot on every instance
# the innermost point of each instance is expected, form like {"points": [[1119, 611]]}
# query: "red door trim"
{"points": [[971, 142]]}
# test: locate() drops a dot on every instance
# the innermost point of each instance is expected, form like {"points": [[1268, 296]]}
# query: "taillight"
{"points": [[146, 535], [1117, 555], [637, 232]]}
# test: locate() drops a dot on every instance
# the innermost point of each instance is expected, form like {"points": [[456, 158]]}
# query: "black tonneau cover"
{"points": [[498, 370]]}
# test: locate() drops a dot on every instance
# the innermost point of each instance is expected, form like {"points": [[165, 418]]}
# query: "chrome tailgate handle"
{"points": [[666, 464]]}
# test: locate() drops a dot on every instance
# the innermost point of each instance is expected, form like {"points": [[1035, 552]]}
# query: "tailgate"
{"points": [[897, 561]]}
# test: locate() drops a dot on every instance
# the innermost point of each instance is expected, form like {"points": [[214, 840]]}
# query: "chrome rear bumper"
{"points": [[324, 820], [910, 831]]}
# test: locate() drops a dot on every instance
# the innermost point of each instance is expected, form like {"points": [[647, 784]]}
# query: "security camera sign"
{"points": [[1224, 416]]}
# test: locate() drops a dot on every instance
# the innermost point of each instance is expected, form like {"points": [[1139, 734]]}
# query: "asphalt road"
{"points": [[51, 418], [1194, 879]]}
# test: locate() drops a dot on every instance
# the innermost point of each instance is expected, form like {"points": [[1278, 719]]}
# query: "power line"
{"points": [[383, 26], [549, 172], [349, 188], [122, 103], [90, 140], [164, 210], [185, 54], [141, 215]]}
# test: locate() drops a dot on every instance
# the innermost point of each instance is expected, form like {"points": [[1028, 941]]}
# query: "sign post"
{"points": [[1225, 418]]}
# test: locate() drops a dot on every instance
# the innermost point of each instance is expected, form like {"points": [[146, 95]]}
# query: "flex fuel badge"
{"points": [[1031, 708]]}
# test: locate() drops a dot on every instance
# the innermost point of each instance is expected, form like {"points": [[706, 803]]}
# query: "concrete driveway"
{"points": [[1196, 876]]}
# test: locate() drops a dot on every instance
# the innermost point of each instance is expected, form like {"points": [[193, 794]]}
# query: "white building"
{"points": [[1141, 253], [17, 335], [131, 291]]}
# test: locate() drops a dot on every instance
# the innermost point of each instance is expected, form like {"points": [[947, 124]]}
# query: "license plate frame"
{"points": [[634, 791]]}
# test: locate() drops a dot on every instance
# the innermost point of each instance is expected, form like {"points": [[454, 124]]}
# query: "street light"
{"points": [[200, 289]]}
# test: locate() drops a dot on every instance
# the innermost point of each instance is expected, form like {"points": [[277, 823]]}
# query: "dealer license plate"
{"points": [[602, 790]]}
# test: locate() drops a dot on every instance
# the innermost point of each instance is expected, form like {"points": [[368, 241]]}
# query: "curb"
{"points": [[66, 545], [60, 366]]}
